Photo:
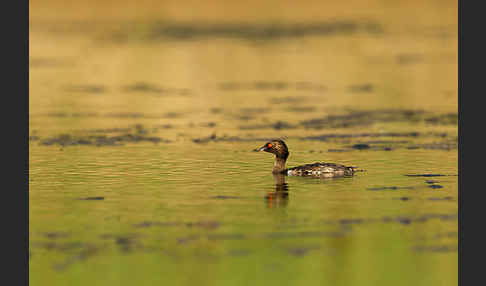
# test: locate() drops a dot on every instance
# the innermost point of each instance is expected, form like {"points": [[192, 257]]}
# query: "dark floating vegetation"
{"points": [[449, 234], [197, 30], [187, 239], [113, 115], [448, 198], [385, 145], [389, 145], [435, 186], [349, 119], [138, 134], [361, 146], [138, 87], [109, 130], [154, 223], [126, 243], [288, 99], [405, 59], [46, 62], [100, 140], [367, 87], [302, 250], [210, 124], [405, 220], [92, 199], [443, 119], [447, 145], [144, 87], [390, 188], [85, 88], [302, 234], [357, 118], [56, 235], [58, 246], [82, 251], [277, 126], [273, 86], [223, 197], [206, 139], [216, 110], [436, 248], [254, 110], [226, 236], [402, 219], [301, 109], [78, 251], [360, 118], [329, 136], [209, 225], [427, 175], [74, 114], [225, 138], [159, 31], [102, 137], [82, 255], [337, 150]]}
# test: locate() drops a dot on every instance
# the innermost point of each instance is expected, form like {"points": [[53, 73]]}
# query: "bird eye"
{"points": [[269, 145]]}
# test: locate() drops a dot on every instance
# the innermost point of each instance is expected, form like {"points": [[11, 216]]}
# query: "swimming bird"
{"points": [[318, 169]]}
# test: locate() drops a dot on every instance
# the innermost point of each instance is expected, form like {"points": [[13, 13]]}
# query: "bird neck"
{"points": [[279, 165]]}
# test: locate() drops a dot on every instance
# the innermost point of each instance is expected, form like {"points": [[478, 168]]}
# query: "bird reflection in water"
{"points": [[280, 197]]}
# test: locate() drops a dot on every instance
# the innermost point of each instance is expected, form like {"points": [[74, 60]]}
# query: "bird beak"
{"points": [[260, 149]]}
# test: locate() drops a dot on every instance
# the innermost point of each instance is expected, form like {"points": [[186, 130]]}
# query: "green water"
{"points": [[141, 167], [204, 219]]}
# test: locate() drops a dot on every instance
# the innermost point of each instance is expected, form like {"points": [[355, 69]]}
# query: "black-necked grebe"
{"points": [[318, 169]]}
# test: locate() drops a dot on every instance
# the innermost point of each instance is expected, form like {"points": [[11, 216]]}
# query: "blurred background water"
{"points": [[144, 115]]}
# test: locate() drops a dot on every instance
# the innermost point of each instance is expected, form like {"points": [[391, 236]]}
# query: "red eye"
{"points": [[269, 145]]}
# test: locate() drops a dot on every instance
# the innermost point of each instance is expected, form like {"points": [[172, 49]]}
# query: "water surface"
{"points": [[142, 128]]}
